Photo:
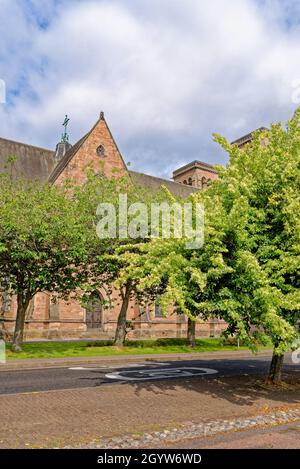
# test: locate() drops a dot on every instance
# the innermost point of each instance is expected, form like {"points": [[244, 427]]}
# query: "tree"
{"points": [[247, 272], [44, 243], [182, 277], [265, 178], [191, 332], [118, 203]]}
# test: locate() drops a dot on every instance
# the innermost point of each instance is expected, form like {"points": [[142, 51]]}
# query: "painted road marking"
{"points": [[182, 372], [113, 367]]}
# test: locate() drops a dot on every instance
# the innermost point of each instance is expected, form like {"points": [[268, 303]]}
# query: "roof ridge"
{"points": [[142, 179], [157, 177], [67, 158], [26, 144], [209, 166], [248, 135]]}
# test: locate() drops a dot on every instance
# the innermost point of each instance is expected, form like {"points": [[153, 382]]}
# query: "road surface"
{"points": [[46, 379]]}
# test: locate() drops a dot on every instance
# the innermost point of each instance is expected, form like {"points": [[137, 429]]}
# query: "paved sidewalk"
{"points": [[35, 363], [275, 437], [80, 416], [206, 434]]}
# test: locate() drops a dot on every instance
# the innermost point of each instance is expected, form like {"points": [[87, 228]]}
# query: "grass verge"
{"points": [[105, 348]]}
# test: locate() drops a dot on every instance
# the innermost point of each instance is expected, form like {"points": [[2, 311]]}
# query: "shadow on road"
{"points": [[243, 386], [242, 390]]}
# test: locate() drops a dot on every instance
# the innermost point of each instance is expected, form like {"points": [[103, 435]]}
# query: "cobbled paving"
{"points": [[194, 431]]}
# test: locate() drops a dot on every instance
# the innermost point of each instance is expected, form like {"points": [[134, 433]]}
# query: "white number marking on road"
{"points": [[182, 372]]}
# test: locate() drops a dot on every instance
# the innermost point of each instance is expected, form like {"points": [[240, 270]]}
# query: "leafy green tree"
{"points": [[247, 272], [263, 181], [107, 263], [188, 279], [44, 243]]}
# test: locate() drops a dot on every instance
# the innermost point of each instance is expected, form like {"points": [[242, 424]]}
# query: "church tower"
{"points": [[196, 174]]}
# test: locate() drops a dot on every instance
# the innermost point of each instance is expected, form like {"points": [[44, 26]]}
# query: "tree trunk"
{"points": [[23, 303], [275, 368], [120, 335], [5, 307], [191, 333], [4, 334]]}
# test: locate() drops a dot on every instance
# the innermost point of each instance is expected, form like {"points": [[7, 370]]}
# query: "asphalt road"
{"points": [[46, 379]]}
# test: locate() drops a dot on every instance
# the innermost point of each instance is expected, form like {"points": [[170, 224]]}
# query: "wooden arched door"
{"points": [[94, 311]]}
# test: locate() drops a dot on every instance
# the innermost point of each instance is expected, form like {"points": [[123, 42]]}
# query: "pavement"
{"points": [[74, 417], [79, 414], [277, 437]]}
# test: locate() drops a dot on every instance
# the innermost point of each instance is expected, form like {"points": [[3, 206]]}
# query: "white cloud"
{"points": [[166, 73]]}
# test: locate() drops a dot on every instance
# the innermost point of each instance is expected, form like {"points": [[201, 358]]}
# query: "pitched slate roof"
{"points": [[58, 169], [30, 162], [193, 164], [39, 163], [247, 138], [155, 183]]}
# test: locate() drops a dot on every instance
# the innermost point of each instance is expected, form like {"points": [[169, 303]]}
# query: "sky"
{"points": [[167, 73]]}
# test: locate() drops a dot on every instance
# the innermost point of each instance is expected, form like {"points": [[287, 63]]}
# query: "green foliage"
{"points": [[43, 238], [247, 272], [261, 194], [107, 262]]}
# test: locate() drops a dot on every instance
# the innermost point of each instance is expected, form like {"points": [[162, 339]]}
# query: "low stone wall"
{"points": [[159, 328]]}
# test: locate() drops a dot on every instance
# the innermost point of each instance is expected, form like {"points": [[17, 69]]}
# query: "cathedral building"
{"points": [[48, 319]]}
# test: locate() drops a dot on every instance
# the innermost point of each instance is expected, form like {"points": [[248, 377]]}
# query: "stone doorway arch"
{"points": [[94, 311]]}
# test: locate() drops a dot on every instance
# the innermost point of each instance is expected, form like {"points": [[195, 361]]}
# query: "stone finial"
{"points": [[101, 116]]}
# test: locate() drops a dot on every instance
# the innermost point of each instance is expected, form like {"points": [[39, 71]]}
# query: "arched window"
{"points": [[54, 308], [158, 309], [185, 181], [144, 312], [94, 311], [101, 151], [204, 183], [190, 181]]}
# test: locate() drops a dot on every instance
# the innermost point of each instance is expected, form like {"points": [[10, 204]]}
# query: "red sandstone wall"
{"points": [[196, 174], [112, 164]]}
